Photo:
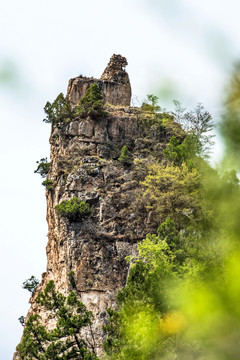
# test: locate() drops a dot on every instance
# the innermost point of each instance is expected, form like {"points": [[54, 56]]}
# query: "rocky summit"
{"points": [[114, 84]]}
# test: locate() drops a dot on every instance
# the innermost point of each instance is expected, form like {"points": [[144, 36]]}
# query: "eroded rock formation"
{"points": [[84, 163], [114, 84]]}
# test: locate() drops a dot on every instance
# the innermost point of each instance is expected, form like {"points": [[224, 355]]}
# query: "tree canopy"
{"points": [[64, 340]]}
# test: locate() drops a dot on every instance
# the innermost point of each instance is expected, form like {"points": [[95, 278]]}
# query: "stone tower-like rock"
{"points": [[84, 164], [114, 84]]}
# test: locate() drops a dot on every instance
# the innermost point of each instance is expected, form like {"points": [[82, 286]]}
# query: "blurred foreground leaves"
{"points": [[9, 76]]}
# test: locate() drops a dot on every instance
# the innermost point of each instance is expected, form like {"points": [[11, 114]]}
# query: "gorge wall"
{"points": [[84, 163]]}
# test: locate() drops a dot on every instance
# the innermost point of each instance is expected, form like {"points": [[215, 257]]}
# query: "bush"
{"points": [[31, 284], [125, 157], [43, 167], [91, 104], [187, 151], [73, 209], [48, 184], [151, 104]]}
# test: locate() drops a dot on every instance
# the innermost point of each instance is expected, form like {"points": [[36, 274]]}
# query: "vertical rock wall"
{"points": [[84, 163], [95, 249]]}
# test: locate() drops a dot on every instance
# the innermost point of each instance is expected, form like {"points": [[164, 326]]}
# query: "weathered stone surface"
{"points": [[84, 163], [115, 70], [114, 84]]}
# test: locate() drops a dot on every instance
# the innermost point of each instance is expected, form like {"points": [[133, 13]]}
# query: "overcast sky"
{"points": [[176, 49]]}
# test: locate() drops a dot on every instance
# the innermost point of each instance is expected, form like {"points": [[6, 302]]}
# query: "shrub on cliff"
{"points": [[73, 209], [64, 341], [31, 284], [151, 104], [125, 157], [43, 167], [48, 184], [59, 111], [91, 104]]}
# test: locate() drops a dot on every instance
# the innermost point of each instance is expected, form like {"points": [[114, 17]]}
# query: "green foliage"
{"points": [[48, 184], [187, 151], [156, 258], [146, 325], [91, 104], [229, 125], [59, 111], [64, 341], [71, 279], [31, 284], [149, 323], [73, 209], [182, 294], [43, 167], [114, 338], [22, 320], [151, 104], [152, 124], [125, 156], [172, 191], [158, 126], [197, 122], [168, 232]]}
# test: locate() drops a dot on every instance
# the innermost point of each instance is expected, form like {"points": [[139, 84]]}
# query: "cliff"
{"points": [[84, 164]]}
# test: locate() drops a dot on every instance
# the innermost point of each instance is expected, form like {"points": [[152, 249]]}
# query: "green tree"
{"points": [[64, 340], [73, 209], [43, 167], [189, 150], [151, 104], [173, 192], [91, 104], [146, 325], [31, 284], [189, 309], [125, 156], [197, 122], [59, 111], [48, 184]]}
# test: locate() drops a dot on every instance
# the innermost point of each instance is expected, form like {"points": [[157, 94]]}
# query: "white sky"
{"points": [[176, 49]]}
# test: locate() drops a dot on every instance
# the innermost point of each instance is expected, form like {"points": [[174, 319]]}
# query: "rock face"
{"points": [[84, 163], [114, 84]]}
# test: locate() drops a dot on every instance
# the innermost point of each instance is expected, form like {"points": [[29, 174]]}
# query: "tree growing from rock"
{"points": [[43, 167], [58, 111], [64, 340], [91, 104], [125, 157], [31, 284]]}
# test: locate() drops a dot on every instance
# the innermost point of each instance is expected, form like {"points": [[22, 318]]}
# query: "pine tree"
{"points": [[64, 341]]}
